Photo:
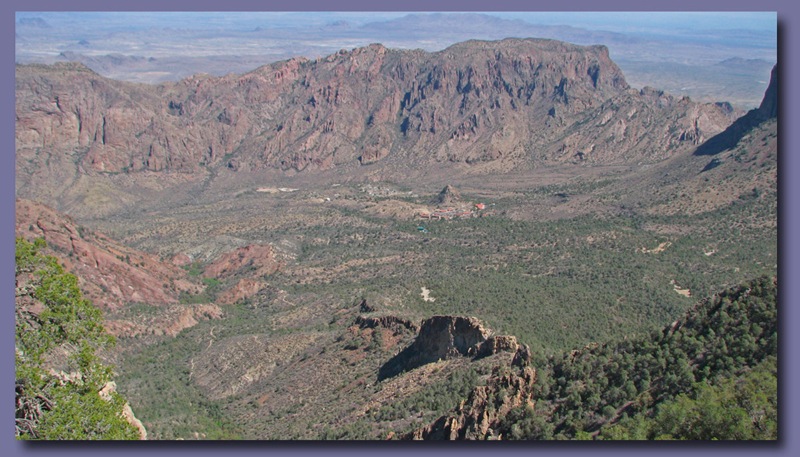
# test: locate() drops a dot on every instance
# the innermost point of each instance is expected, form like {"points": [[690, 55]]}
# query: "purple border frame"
{"points": [[789, 444]]}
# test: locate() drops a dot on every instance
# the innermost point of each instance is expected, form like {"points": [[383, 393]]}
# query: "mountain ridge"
{"points": [[506, 104]]}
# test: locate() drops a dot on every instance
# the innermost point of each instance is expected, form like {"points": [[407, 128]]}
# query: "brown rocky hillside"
{"points": [[510, 103], [114, 276]]}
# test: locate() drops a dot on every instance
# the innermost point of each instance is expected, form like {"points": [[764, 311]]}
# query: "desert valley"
{"points": [[502, 239]]}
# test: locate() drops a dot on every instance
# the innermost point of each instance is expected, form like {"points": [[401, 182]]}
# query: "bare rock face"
{"points": [[105, 393], [109, 273], [446, 337], [735, 132], [512, 102], [769, 105], [495, 344], [480, 415], [443, 337], [114, 276]]}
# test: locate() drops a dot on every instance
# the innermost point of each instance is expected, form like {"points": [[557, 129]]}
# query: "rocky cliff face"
{"points": [[446, 337], [127, 412], [479, 416], [734, 133], [769, 105], [510, 102]]}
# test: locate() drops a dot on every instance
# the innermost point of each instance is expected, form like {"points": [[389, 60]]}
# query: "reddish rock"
{"points": [[258, 260], [109, 273], [514, 101], [498, 343], [181, 260], [242, 290]]}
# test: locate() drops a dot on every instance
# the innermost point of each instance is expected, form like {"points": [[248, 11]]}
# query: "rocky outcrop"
{"points": [[446, 337], [769, 105], [447, 196], [443, 337], [255, 260], [127, 412], [110, 274], [731, 136], [495, 344], [480, 415]]}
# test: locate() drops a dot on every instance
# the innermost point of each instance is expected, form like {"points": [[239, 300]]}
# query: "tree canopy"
{"points": [[59, 375]]}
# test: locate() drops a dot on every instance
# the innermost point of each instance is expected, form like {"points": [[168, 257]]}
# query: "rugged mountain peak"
{"points": [[728, 138], [769, 105], [515, 102]]}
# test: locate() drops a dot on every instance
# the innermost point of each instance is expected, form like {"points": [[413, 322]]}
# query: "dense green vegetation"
{"points": [[54, 321], [710, 375], [167, 401], [739, 408]]}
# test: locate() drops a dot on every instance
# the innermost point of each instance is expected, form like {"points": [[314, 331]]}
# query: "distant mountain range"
{"points": [[188, 45], [510, 104]]}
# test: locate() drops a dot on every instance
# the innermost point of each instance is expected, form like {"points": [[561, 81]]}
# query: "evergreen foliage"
{"points": [[711, 375], [52, 316]]}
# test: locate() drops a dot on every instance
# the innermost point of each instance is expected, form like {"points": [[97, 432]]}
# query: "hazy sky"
{"points": [[613, 21]]}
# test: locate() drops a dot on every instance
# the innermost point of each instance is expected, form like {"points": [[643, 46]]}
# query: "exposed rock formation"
{"points": [[769, 105], [445, 337], [110, 274], [114, 276], [736, 131], [512, 101], [495, 344], [480, 415], [127, 412], [447, 196], [259, 260]]}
